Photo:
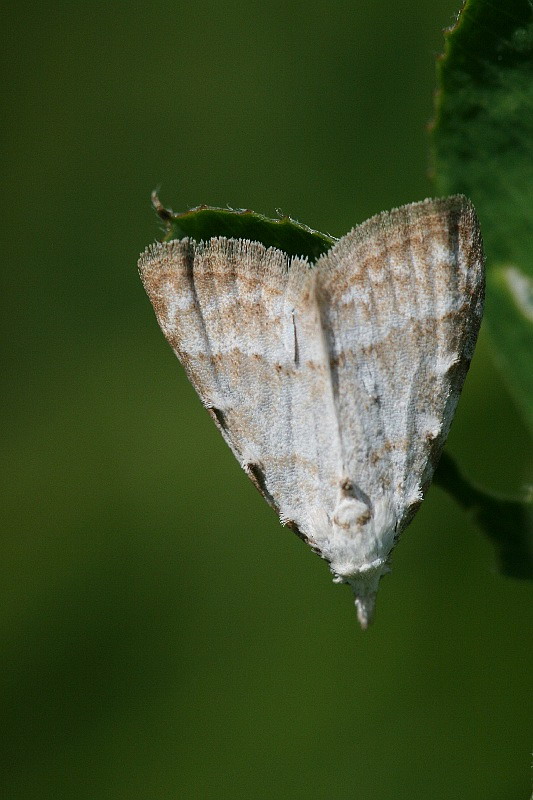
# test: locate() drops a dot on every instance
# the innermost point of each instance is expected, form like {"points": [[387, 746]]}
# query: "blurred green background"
{"points": [[161, 635]]}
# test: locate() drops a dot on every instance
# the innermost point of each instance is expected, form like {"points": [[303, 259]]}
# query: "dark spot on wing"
{"points": [[294, 527], [218, 416], [257, 476], [296, 348]]}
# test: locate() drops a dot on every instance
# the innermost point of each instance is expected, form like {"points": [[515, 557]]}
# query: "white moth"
{"points": [[334, 383]]}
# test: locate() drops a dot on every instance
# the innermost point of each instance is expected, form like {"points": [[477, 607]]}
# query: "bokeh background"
{"points": [[161, 635]]}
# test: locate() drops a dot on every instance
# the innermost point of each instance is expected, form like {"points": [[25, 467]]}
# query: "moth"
{"points": [[334, 383]]}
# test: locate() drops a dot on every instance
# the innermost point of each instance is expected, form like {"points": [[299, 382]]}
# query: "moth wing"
{"points": [[244, 322], [401, 300]]}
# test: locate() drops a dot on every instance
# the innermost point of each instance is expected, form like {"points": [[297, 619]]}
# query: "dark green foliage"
{"points": [[483, 147], [284, 233], [507, 523]]}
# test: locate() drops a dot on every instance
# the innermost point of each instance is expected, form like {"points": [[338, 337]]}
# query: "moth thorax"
{"points": [[362, 537], [351, 515]]}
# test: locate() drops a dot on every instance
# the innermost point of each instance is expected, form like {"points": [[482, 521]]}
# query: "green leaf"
{"points": [[482, 141], [507, 523], [285, 233]]}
